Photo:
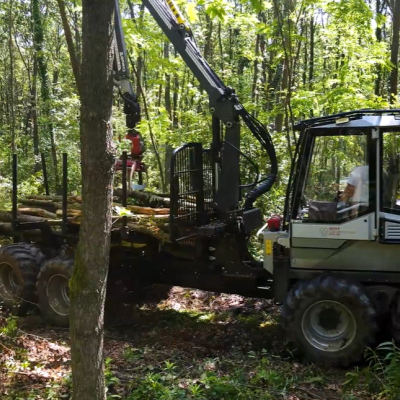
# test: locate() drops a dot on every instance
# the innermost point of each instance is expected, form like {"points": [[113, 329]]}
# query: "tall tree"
{"points": [[88, 284], [10, 49], [70, 43], [45, 82], [394, 58]]}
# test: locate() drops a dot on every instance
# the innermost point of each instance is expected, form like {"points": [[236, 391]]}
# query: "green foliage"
{"points": [[248, 43], [382, 375], [111, 380], [10, 328], [261, 382]]}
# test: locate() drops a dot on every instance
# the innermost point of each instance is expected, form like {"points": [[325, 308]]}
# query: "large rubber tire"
{"points": [[53, 290], [345, 311], [19, 267]]}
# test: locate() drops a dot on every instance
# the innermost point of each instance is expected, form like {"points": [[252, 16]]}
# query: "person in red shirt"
{"points": [[134, 162]]}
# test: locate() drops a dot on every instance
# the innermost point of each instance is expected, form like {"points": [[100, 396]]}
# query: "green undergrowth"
{"points": [[381, 377], [252, 378], [185, 348]]}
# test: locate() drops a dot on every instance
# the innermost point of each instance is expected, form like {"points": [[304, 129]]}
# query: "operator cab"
{"points": [[344, 191], [335, 173]]}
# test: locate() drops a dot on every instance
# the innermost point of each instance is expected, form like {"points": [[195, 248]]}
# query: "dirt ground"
{"points": [[194, 344]]}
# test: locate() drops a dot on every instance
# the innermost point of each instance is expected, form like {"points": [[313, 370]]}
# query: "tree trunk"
{"points": [[168, 106], [255, 69], [89, 280], [11, 52], [394, 54], [152, 137], [70, 43], [45, 84], [139, 61], [208, 45], [167, 93], [175, 101], [312, 45], [35, 128], [378, 34], [78, 44]]}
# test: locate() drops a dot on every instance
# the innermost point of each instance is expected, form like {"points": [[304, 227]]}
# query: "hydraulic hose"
{"points": [[264, 137]]}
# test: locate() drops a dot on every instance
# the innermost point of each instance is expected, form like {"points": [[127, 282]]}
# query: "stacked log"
{"points": [[150, 221]]}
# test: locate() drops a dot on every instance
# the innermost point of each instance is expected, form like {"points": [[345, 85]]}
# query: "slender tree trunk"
{"points": [[168, 106], [70, 43], [208, 45], [304, 76], [35, 128], [394, 54], [154, 142], [167, 94], [221, 50], [77, 33], [175, 101], [255, 69], [378, 34], [11, 53], [88, 284], [45, 83], [139, 61], [312, 45]]}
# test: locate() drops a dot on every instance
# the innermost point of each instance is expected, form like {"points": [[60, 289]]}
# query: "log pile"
{"points": [[152, 221]]}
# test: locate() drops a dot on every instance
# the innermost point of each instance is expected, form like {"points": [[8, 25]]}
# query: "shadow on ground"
{"points": [[226, 346]]}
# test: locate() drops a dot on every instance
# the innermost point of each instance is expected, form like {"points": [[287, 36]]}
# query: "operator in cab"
{"points": [[356, 190]]}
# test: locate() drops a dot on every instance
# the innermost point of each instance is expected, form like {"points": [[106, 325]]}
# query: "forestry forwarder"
{"points": [[333, 261]]}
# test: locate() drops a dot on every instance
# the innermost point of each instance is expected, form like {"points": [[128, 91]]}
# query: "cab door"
{"points": [[389, 185], [326, 230]]}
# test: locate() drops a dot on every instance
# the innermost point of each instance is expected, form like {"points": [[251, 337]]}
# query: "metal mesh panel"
{"points": [[192, 192], [187, 205], [208, 185]]}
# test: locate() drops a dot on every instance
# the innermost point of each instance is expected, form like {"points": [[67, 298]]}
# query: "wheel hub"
{"points": [[329, 326], [329, 318], [58, 294], [8, 284]]}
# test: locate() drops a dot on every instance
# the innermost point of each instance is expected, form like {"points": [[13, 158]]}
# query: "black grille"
{"points": [[191, 192], [208, 185]]}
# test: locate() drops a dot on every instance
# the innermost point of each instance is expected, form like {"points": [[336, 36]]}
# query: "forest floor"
{"points": [[194, 345]]}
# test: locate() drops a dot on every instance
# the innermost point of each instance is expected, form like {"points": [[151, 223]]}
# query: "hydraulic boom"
{"points": [[224, 105]]}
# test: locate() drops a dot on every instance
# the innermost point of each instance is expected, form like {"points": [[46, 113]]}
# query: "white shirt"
{"points": [[359, 178]]}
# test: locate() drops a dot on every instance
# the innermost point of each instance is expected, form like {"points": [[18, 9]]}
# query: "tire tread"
{"points": [[297, 301]]}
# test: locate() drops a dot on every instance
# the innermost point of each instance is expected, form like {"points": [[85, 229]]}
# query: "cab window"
{"points": [[391, 171], [338, 178]]}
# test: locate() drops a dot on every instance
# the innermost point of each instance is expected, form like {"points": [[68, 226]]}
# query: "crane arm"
{"points": [[122, 73], [224, 104]]}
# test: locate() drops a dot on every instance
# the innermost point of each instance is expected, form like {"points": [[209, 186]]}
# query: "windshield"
{"points": [[391, 171], [337, 177]]}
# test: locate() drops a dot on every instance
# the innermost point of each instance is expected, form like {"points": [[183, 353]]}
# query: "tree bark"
{"points": [[70, 43], [37, 212], [11, 52], [378, 34], [139, 61], [34, 116], [45, 84], [167, 94], [89, 280], [175, 120], [394, 55], [255, 68], [148, 199], [312, 45]]}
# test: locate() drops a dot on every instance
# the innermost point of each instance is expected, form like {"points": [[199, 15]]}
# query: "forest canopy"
{"points": [[287, 60]]}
